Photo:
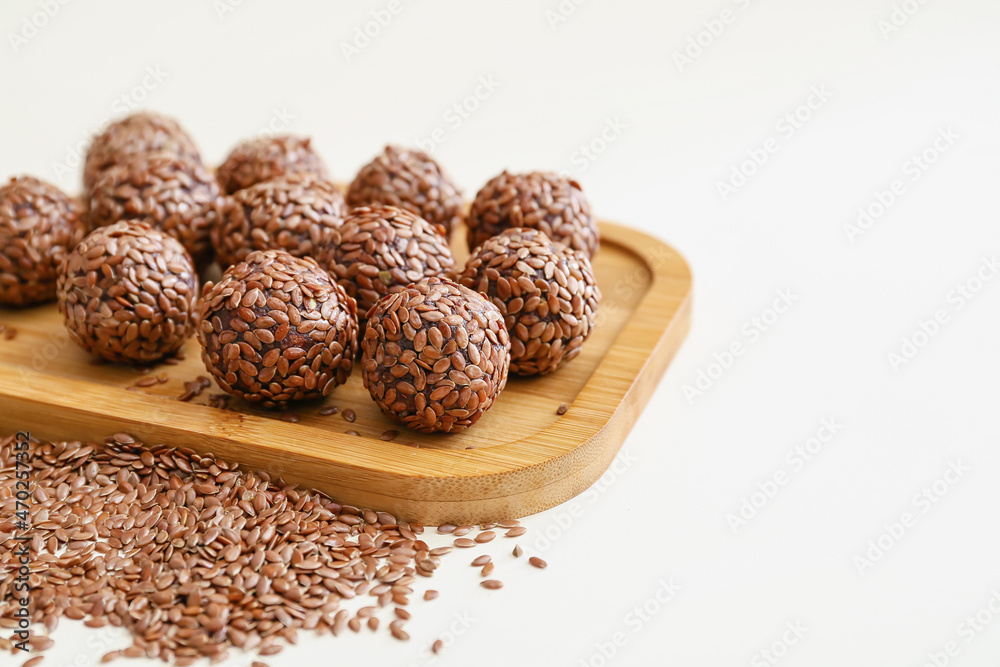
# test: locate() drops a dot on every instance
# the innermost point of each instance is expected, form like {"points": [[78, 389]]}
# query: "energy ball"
{"points": [[540, 200], [382, 249], [277, 328], [546, 292], [259, 160], [295, 213], [409, 179], [127, 293], [435, 355], [163, 190], [39, 224], [143, 132]]}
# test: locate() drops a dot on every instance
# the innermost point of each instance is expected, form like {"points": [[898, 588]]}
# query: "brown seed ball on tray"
{"points": [[39, 224], [144, 132], [164, 190], [540, 200], [409, 179], [127, 293], [435, 355], [380, 250], [277, 328], [295, 213], [546, 292], [258, 160]]}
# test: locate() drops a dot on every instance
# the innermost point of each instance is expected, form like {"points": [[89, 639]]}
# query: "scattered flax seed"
{"points": [[446, 528], [512, 523], [402, 613], [349, 415], [373, 623], [487, 536], [461, 530], [290, 418], [464, 543], [518, 551], [430, 594], [562, 409], [488, 569], [437, 646], [258, 663], [470, 447], [146, 382], [492, 584], [329, 410], [9, 334], [396, 628], [352, 432], [538, 562], [390, 434], [481, 560], [31, 662], [516, 531], [439, 551]]}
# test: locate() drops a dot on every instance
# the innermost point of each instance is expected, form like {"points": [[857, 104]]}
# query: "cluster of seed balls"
{"points": [[309, 275]]}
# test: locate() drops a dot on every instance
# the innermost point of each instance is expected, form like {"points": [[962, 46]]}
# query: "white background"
{"points": [[690, 462]]}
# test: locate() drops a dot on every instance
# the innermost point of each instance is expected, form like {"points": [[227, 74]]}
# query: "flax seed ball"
{"points": [[258, 160], [143, 132], [546, 201], [277, 328], [39, 224], [164, 190], [295, 213], [409, 179], [435, 355], [127, 293], [546, 292], [380, 250]]}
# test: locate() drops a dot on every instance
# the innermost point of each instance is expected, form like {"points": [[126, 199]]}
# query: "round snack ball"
{"points": [[380, 250], [39, 224], [127, 293], [258, 160], [435, 355], [143, 132], [277, 328], [164, 190], [295, 213], [546, 292], [409, 179], [539, 200]]}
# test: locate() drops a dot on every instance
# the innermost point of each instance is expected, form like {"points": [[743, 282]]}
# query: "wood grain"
{"points": [[520, 459]]}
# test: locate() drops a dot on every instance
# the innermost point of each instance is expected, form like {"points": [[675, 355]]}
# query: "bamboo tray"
{"points": [[521, 458]]}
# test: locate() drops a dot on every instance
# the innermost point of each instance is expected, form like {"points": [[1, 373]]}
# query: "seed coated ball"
{"points": [[39, 224], [143, 132], [409, 179], [295, 213], [127, 293], [546, 292], [435, 355], [277, 328], [258, 160], [380, 250], [551, 203], [166, 191]]}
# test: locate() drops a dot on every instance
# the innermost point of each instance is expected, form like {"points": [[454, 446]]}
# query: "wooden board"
{"points": [[521, 458]]}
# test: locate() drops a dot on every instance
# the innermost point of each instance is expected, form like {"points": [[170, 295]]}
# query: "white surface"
{"points": [[690, 463]]}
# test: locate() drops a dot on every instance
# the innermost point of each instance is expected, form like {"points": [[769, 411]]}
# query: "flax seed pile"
{"points": [[198, 558]]}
